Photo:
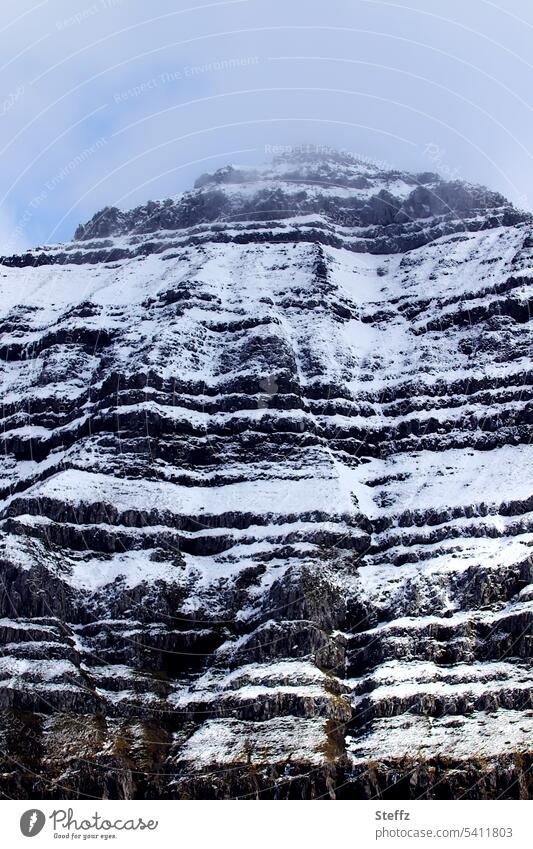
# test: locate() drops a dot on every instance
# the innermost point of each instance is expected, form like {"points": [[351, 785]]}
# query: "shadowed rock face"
{"points": [[266, 504]]}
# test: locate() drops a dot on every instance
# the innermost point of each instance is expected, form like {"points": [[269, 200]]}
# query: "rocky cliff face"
{"points": [[266, 505]]}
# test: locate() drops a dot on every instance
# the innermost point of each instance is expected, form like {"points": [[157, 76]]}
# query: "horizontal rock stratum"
{"points": [[266, 524]]}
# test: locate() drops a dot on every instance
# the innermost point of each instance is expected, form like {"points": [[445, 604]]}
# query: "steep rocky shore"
{"points": [[266, 525]]}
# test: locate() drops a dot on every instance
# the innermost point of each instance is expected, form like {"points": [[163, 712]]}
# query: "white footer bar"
{"points": [[236, 824]]}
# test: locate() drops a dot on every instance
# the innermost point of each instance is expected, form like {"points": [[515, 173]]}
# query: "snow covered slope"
{"points": [[266, 493]]}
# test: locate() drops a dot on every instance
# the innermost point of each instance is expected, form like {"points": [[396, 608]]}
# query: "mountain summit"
{"points": [[265, 503], [339, 188]]}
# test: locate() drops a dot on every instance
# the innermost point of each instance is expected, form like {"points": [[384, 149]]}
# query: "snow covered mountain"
{"points": [[266, 496]]}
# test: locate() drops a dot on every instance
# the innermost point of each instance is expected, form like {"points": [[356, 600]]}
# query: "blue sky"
{"points": [[113, 102]]}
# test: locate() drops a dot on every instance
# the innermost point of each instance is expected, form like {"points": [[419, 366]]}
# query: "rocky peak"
{"points": [[312, 181]]}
